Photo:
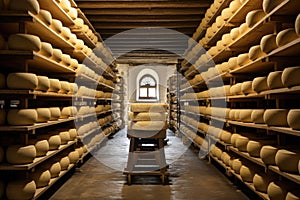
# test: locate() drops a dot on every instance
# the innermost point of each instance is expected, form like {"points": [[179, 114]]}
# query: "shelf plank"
{"points": [[36, 161], [293, 177], [257, 161]]}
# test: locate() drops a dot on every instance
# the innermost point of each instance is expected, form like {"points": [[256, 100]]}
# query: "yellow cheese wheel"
{"points": [[254, 17], [22, 80], [257, 116], [247, 87], [269, 5], [2, 81], [276, 117], [274, 80], [226, 14], [226, 136], [73, 134], [245, 115], [287, 160], [66, 60], [43, 83], [65, 87], [73, 39], [225, 157], [247, 174], [220, 21], [267, 154], [261, 182], [293, 118], [232, 114], [286, 36], [254, 147], [234, 136], [22, 117], [236, 89], [235, 33], [65, 5], [233, 63], [18, 154], [226, 39], [56, 25], [65, 33], [243, 28], [294, 195], [2, 153], [80, 151], [268, 43], [79, 22], [234, 5], [243, 59], [41, 177], [276, 191], [64, 137], [54, 85], [46, 49], [55, 169], [64, 163], [236, 165], [241, 143], [74, 157], [43, 114], [24, 188], [260, 84], [45, 16], [22, 41], [237, 114], [74, 64], [255, 52], [73, 88], [148, 125], [54, 142], [290, 76], [41, 147], [147, 116], [297, 24], [25, 5], [146, 107], [57, 55], [55, 113], [2, 117], [73, 13]]}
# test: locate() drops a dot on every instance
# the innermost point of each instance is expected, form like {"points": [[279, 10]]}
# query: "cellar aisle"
{"points": [[95, 180]]}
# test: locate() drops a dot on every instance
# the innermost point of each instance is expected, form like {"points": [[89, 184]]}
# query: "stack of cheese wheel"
{"points": [[24, 188]]}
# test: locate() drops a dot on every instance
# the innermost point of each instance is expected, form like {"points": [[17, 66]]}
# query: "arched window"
{"points": [[147, 87]]}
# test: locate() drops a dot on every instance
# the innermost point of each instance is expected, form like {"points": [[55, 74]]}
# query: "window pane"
{"points": [[143, 92], [152, 92], [148, 80]]}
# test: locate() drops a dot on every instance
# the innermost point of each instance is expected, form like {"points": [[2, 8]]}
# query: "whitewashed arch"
{"points": [[142, 73]]}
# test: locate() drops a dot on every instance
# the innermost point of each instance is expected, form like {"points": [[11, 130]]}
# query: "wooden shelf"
{"points": [[36, 161], [292, 177], [40, 191], [257, 161]]}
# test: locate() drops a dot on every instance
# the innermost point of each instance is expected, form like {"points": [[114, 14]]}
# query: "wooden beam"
{"points": [[146, 18], [149, 33]]}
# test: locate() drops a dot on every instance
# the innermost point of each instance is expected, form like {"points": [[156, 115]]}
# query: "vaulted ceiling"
{"points": [[145, 23]]}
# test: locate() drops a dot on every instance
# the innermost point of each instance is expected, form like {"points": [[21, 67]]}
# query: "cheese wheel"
{"points": [[233, 63], [73, 88], [57, 55], [74, 157], [257, 116], [247, 174], [226, 13], [245, 115], [297, 24], [74, 64], [41, 147], [24, 42], [65, 87], [43, 114], [276, 191], [243, 28], [46, 49], [24, 189], [243, 59], [22, 117], [234, 136], [22, 80], [234, 33], [236, 89], [267, 154], [225, 157], [146, 107], [55, 113], [55, 169], [241, 143], [73, 13], [274, 80], [247, 87], [64, 163], [237, 114], [45, 16], [78, 22], [226, 136], [54, 142], [286, 36], [41, 177], [269, 5], [64, 137], [18, 154], [276, 117], [287, 160], [25, 5], [234, 5], [261, 182], [255, 52], [254, 17], [2, 117], [2, 81], [290, 76], [293, 118], [236, 165], [268, 43], [254, 147], [80, 151], [219, 21], [73, 39], [65, 5], [54, 85], [43, 83], [260, 84], [2, 153], [73, 134], [56, 25], [148, 125], [226, 39], [66, 60], [65, 33], [294, 195]]}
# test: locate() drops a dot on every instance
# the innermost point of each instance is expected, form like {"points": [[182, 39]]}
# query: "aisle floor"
{"points": [[101, 177]]}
